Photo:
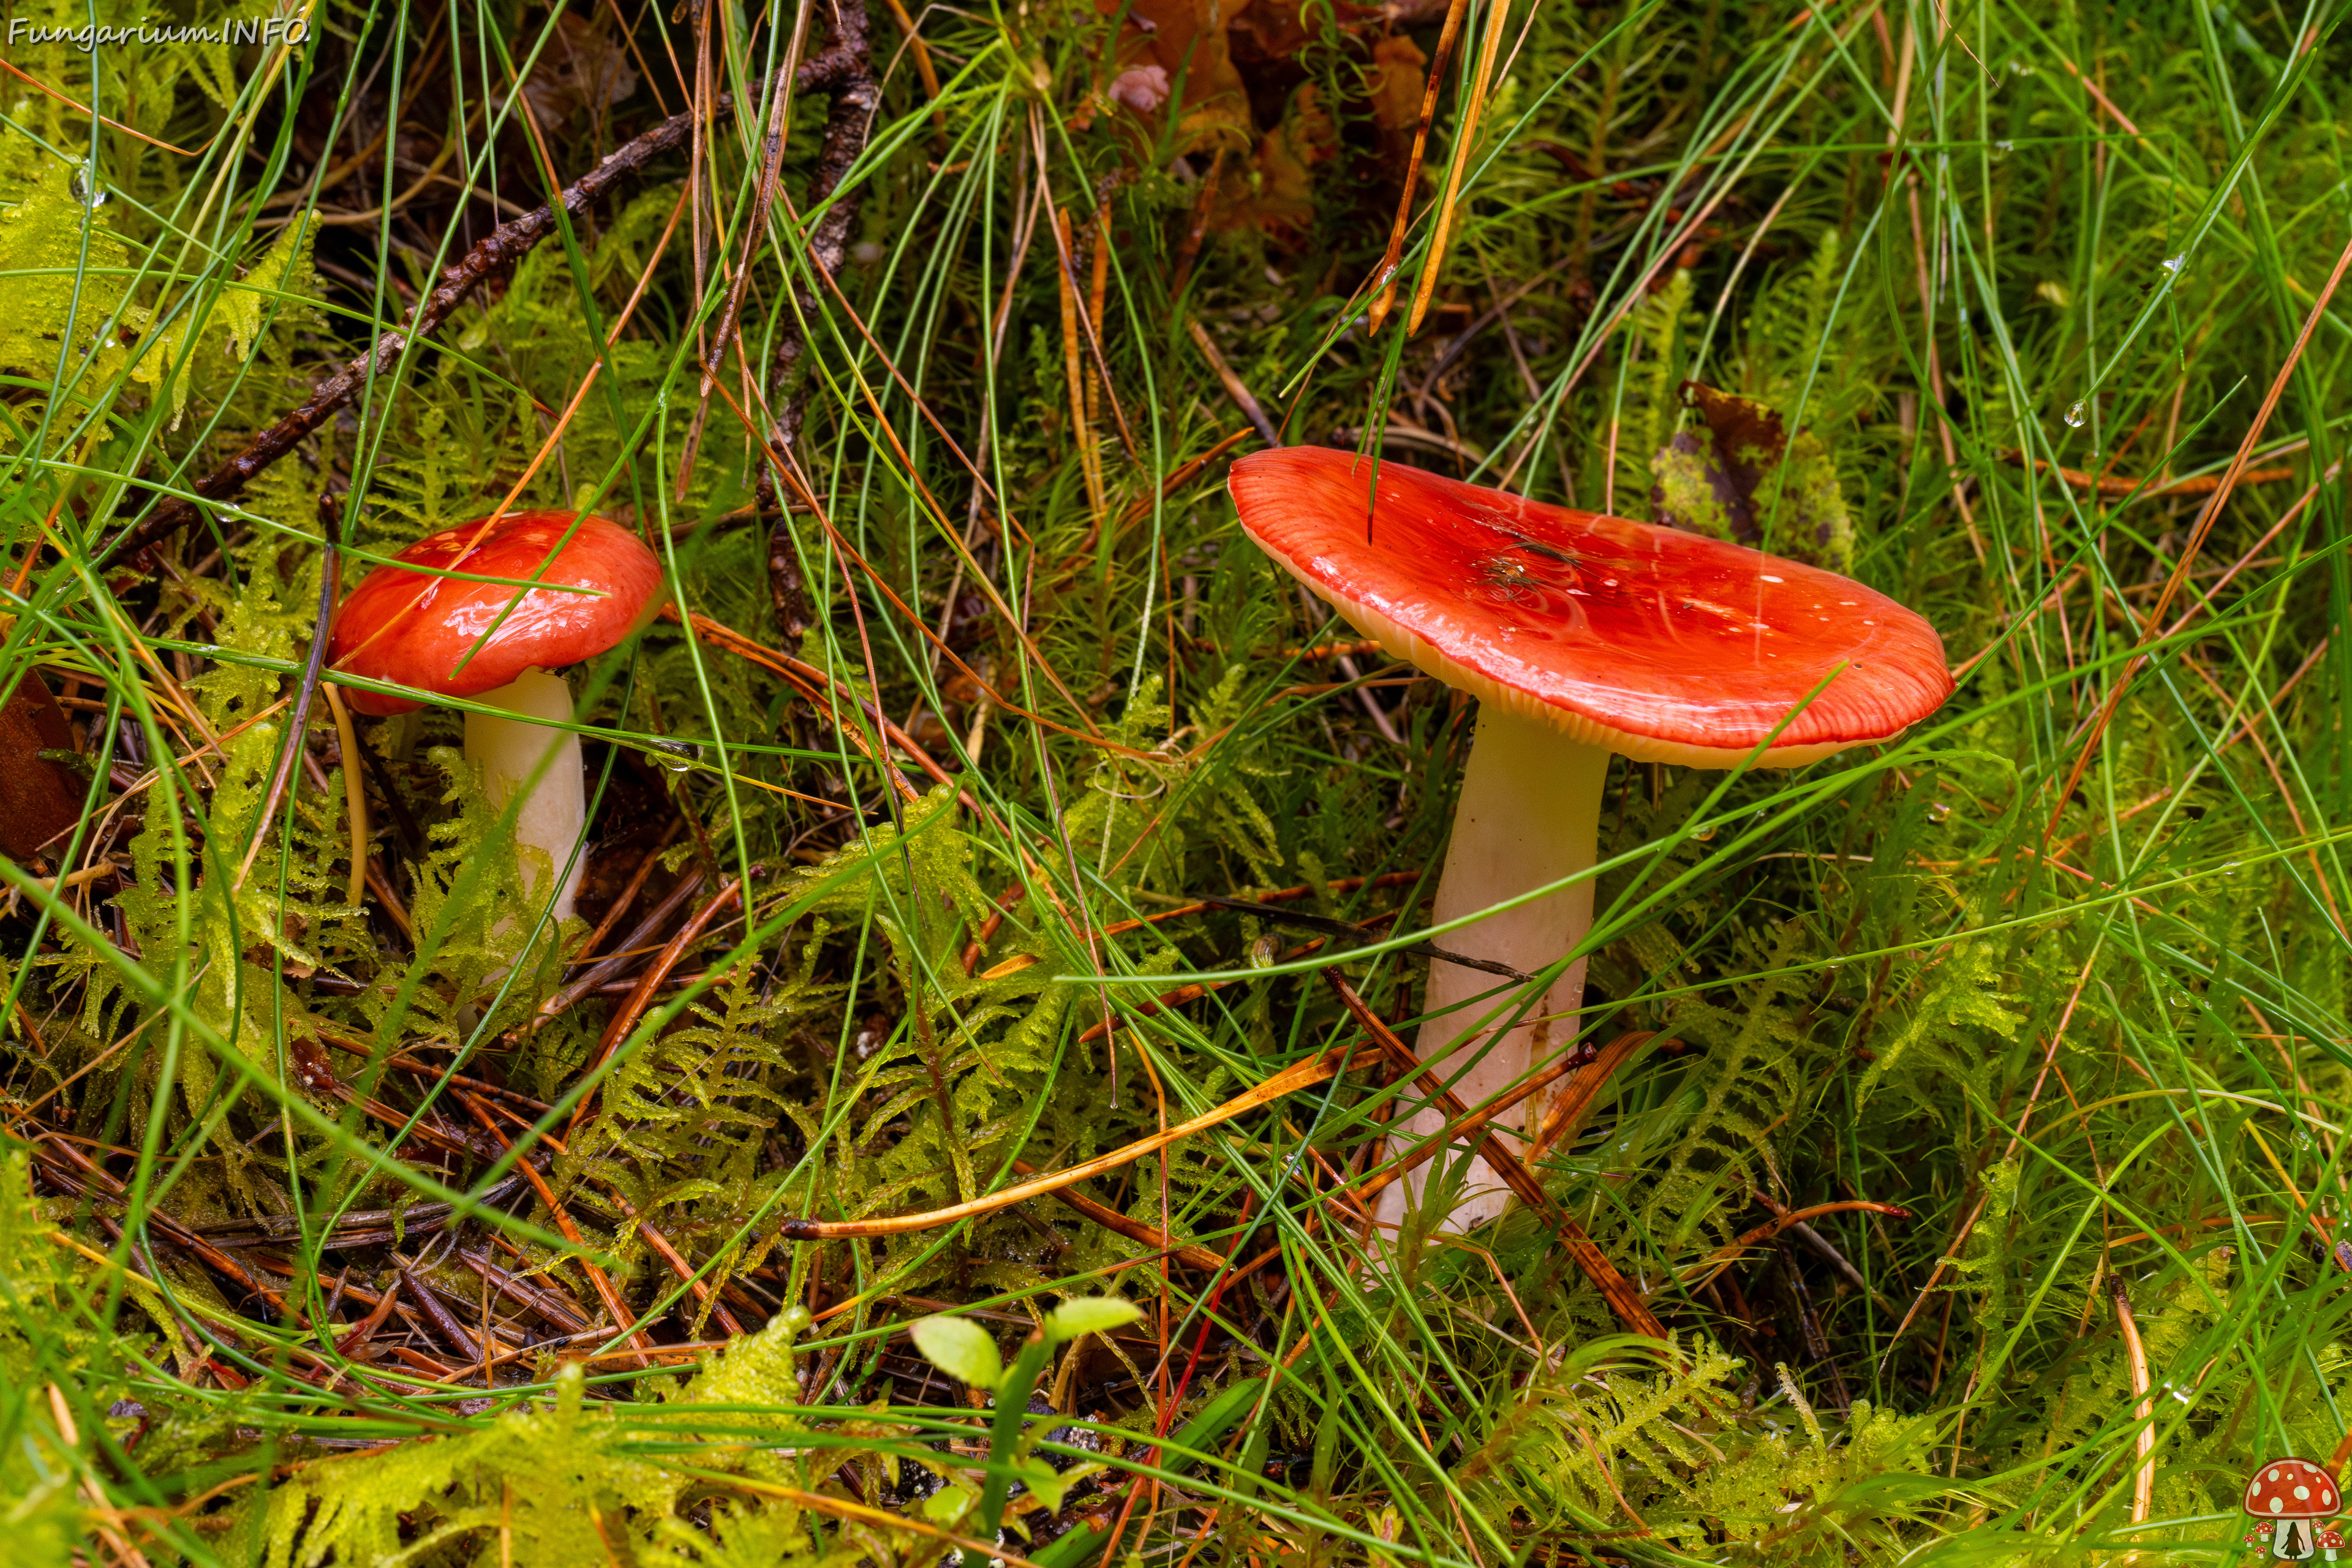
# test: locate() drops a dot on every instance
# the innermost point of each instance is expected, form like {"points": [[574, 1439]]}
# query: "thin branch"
{"points": [[505, 246], [1315, 1069]]}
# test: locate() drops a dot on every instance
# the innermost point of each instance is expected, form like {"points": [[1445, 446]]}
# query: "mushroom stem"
{"points": [[1528, 815], [516, 754]]}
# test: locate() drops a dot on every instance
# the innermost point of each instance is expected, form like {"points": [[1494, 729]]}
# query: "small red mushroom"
{"points": [[2290, 1493], [2331, 1542], [1579, 635], [412, 625]]}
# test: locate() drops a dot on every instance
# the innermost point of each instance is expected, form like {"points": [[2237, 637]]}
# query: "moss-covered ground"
{"points": [[1968, 1110]]}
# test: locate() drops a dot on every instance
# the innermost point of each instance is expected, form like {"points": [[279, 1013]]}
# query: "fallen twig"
{"points": [[624, 1321], [503, 248], [1315, 1069], [846, 122], [1235, 387], [624, 1018], [1110, 1219], [1723, 1258], [2112, 485], [1622, 1299], [1566, 1116]]}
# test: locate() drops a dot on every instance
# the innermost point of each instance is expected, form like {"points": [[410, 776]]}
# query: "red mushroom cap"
{"points": [[1660, 645], [2291, 1489], [410, 628]]}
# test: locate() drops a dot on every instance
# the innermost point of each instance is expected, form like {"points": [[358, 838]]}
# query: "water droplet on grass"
{"points": [[673, 756], [2076, 415]]}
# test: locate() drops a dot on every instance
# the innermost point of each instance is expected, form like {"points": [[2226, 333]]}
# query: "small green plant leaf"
{"points": [[961, 1348], [950, 1503], [1089, 1315], [1202, 1434], [1051, 1485]]}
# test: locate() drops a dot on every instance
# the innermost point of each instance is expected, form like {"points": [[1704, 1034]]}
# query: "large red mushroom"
{"points": [[413, 625], [1579, 635]]}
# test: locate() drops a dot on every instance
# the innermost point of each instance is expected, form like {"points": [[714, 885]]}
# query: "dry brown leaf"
{"points": [[39, 798], [582, 67], [1397, 82], [1283, 198]]}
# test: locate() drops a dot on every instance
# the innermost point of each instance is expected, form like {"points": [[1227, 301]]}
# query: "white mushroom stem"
{"points": [[1528, 815], [518, 755]]}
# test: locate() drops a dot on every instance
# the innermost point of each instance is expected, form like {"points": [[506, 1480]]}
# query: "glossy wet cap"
{"points": [[2291, 1489], [1663, 645], [411, 628]]}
